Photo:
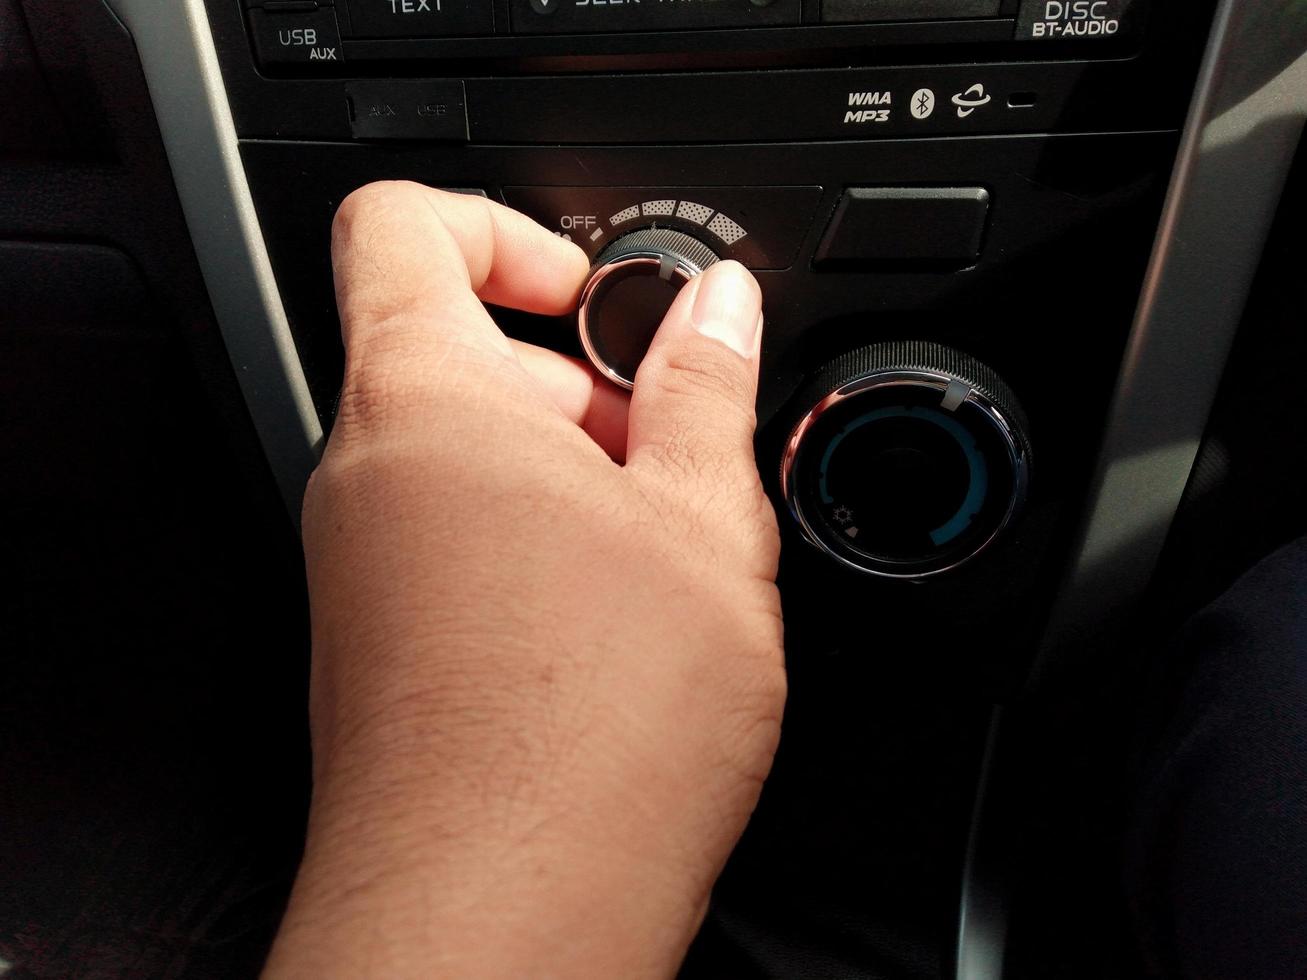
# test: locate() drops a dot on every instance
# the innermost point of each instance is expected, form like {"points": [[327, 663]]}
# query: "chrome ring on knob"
{"points": [[952, 393], [670, 255], [681, 272]]}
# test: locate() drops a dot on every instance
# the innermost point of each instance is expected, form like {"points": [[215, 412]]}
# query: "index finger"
{"points": [[413, 257]]}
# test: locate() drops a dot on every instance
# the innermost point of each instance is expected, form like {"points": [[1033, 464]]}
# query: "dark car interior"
{"points": [[1033, 273]]}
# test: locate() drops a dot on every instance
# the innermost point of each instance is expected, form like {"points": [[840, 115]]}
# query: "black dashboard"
{"points": [[1004, 247]]}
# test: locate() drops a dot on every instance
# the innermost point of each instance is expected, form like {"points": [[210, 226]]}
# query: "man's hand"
{"points": [[547, 663]]}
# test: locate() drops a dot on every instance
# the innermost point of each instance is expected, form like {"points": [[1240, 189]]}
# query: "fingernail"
{"points": [[726, 308]]}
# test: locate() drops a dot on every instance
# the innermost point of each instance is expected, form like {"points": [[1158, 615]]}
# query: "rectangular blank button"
{"points": [[935, 225], [614, 16], [866, 11], [403, 109]]}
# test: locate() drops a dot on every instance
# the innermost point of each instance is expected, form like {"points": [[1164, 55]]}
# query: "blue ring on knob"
{"points": [[977, 469]]}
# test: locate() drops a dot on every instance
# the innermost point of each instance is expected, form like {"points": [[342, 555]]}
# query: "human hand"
{"points": [[547, 672]]}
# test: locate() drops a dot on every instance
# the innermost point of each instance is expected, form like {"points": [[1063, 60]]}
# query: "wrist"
{"points": [[418, 897], [437, 869]]}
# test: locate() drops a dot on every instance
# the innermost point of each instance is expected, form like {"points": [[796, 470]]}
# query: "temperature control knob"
{"points": [[631, 287], [908, 460]]}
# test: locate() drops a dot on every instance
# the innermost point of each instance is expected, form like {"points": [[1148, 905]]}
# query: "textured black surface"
{"points": [[30, 117], [914, 355], [1206, 706], [851, 865], [661, 241], [153, 764], [1245, 496], [1217, 854]]}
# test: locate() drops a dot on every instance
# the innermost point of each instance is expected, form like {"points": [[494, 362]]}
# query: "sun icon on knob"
{"points": [[842, 515]]}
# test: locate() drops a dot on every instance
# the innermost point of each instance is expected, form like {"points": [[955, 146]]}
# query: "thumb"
{"points": [[693, 404]]}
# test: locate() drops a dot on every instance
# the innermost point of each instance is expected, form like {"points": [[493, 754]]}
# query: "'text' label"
{"points": [[1072, 19]]}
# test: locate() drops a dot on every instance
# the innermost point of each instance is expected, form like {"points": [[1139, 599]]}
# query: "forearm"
{"points": [[508, 888]]}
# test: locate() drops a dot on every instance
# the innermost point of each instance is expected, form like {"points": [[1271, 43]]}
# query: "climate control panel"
{"points": [[938, 198]]}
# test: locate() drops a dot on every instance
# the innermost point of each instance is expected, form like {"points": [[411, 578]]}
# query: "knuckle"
{"points": [[363, 407], [408, 389], [760, 514], [714, 472], [363, 484], [361, 208], [683, 453], [356, 204], [761, 703], [312, 506], [380, 198], [368, 222], [759, 534], [393, 254], [709, 416], [376, 392], [404, 360], [753, 704], [708, 373], [751, 540]]}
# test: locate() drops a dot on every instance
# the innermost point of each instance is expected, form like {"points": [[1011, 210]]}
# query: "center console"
{"points": [[951, 207], [980, 180]]}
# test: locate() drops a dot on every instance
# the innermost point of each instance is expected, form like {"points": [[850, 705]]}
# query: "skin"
{"points": [[547, 674]]}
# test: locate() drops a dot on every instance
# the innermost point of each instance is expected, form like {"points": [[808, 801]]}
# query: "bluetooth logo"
{"points": [[923, 103]]}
